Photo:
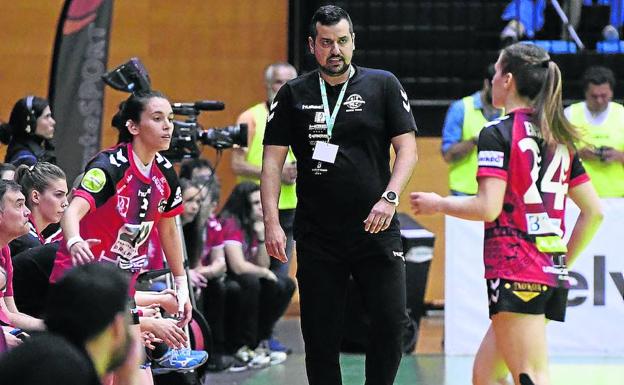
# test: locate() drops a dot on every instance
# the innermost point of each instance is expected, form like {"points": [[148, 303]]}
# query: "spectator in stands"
{"points": [[264, 295], [464, 120], [220, 296], [527, 167], [45, 188], [85, 342], [7, 171], [247, 161], [602, 127], [29, 132], [13, 223], [201, 172]]}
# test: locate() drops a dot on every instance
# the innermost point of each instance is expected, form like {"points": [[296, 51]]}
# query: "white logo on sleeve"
{"points": [[406, 103], [271, 108], [491, 158]]}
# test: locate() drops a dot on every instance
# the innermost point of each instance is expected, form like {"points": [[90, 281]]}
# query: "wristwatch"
{"points": [[391, 197]]}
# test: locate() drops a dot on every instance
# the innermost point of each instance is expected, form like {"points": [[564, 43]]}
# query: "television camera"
{"points": [[132, 77]]}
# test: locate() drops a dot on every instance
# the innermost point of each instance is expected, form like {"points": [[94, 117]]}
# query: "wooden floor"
{"points": [[426, 366]]}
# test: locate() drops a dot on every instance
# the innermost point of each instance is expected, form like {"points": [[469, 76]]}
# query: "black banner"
{"points": [[76, 90]]}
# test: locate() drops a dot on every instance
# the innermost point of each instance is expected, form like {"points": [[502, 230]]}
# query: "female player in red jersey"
{"points": [[527, 167]]}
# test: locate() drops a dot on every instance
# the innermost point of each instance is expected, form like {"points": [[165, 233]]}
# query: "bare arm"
{"points": [[585, 197], [70, 223], [272, 164], [172, 247], [485, 206], [217, 268], [381, 213], [240, 166], [18, 319], [459, 150], [238, 264]]}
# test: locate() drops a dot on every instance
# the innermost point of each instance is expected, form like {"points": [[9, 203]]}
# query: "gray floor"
{"points": [[434, 369]]}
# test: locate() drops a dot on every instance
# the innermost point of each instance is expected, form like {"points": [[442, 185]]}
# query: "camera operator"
{"points": [[247, 162]]}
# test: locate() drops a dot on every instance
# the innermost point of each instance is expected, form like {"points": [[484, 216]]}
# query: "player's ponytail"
{"points": [[538, 78]]}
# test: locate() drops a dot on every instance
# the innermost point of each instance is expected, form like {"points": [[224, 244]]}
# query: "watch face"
{"points": [[391, 195]]}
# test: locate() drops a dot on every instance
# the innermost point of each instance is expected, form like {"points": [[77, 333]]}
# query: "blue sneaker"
{"points": [[276, 346], [180, 360]]}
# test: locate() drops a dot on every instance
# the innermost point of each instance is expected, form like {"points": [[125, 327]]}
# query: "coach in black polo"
{"points": [[340, 122]]}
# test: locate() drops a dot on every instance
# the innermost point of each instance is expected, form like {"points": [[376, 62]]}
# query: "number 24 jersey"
{"points": [[520, 244]]}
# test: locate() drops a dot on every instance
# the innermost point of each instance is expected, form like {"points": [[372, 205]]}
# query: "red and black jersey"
{"points": [[125, 207], [520, 244]]}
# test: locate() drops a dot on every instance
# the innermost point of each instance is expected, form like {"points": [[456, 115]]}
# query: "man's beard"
{"points": [[119, 355], [331, 72]]}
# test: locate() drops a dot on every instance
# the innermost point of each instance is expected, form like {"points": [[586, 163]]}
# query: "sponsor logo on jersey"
{"points": [[319, 117], [354, 102], [94, 180], [160, 184], [491, 158], [312, 107], [123, 203]]}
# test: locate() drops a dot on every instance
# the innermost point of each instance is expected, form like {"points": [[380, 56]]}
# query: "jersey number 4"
{"points": [[552, 182]]}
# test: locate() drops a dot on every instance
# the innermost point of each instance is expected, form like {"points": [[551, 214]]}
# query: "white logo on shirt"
{"points": [[312, 107], [491, 158], [273, 105], [319, 117], [354, 102]]}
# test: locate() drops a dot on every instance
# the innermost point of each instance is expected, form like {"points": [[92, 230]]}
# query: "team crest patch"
{"points": [[123, 203], [161, 206], [354, 102], [94, 180]]}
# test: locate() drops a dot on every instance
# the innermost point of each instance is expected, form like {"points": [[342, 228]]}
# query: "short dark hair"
{"points": [[187, 167], [597, 75], [85, 301], [7, 185], [329, 15]]}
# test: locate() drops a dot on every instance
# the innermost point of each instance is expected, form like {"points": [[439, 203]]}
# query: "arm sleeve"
{"points": [[577, 172], [174, 204], [97, 185], [453, 123], [277, 131], [493, 154], [399, 118], [231, 231]]}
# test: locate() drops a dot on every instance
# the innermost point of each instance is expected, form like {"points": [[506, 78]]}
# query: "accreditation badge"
{"points": [[325, 152]]}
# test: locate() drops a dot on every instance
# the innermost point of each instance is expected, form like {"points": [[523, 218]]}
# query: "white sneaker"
{"points": [[260, 360], [277, 358]]}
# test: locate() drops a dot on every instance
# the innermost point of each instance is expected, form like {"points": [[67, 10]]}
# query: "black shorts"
{"points": [[527, 298]]}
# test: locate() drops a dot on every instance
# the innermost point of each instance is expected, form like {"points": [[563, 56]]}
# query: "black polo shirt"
{"points": [[336, 198]]}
